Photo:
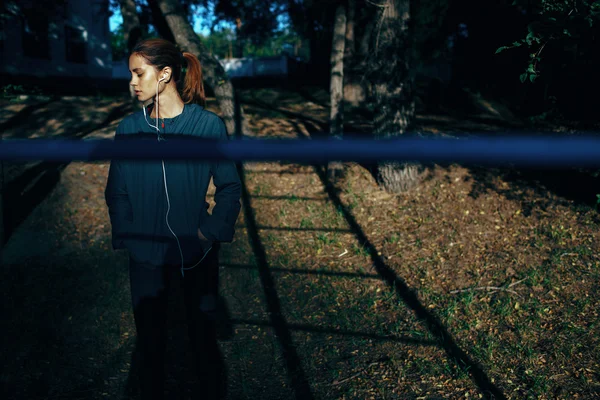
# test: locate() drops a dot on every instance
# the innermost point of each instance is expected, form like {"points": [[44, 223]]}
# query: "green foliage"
{"points": [[221, 43], [558, 21], [14, 92], [118, 44], [11, 90]]}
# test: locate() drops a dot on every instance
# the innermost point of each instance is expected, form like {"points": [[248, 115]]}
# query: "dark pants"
{"points": [[149, 290]]}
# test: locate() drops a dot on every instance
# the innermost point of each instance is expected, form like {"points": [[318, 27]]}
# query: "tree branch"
{"points": [[490, 288]]}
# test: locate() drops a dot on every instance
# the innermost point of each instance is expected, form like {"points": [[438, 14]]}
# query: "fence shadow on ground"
{"points": [[297, 376], [295, 372], [432, 323]]}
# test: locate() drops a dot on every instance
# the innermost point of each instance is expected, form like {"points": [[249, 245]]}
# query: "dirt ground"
{"points": [[479, 283]]}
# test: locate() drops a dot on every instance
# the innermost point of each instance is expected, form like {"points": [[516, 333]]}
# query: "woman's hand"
{"points": [[204, 242], [201, 236]]}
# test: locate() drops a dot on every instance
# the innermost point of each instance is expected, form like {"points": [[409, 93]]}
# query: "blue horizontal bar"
{"points": [[524, 151]]}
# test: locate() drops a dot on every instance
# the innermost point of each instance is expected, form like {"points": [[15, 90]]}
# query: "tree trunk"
{"points": [[356, 88], [159, 21], [393, 89], [132, 29], [214, 74], [350, 48], [336, 86], [239, 40], [365, 42]]}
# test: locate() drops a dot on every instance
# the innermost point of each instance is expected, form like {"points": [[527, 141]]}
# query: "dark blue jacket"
{"points": [[137, 198]]}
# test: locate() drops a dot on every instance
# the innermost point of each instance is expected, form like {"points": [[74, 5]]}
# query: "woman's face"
{"points": [[143, 78]]}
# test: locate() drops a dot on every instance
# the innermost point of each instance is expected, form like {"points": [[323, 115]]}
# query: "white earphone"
{"points": [[165, 76]]}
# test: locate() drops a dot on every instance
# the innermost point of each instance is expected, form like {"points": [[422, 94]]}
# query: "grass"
{"points": [[69, 328]]}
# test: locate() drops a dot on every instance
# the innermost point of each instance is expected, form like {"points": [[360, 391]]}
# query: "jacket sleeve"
{"points": [[220, 226], [119, 205]]}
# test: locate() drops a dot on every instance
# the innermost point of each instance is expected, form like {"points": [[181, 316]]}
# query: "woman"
{"points": [[158, 210]]}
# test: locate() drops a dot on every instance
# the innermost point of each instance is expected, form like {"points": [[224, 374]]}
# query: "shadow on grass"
{"points": [[432, 323], [435, 327], [67, 332], [61, 318], [295, 372], [193, 363], [343, 332], [305, 271], [294, 369], [300, 229], [578, 186], [177, 329]]}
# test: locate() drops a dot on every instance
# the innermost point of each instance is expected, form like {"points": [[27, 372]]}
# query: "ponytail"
{"points": [[193, 86]]}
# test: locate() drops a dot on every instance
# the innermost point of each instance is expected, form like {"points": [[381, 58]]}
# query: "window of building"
{"points": [[76, 45], [35, 36]]}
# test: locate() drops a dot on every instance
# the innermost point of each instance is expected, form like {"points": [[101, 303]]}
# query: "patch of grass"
{"points": [[447, 312], [556, 232], [394, 238], [326, 238], [360, 250], [306, 223], [502, 306], [282, 212], [330, 217], [259, 189], [283, 259], [340, 212]]}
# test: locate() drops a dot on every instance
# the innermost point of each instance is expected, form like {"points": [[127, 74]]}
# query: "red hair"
{"points": [[193, 88]]}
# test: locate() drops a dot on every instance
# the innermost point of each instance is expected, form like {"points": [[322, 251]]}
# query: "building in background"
{"points": [[42, 41]]}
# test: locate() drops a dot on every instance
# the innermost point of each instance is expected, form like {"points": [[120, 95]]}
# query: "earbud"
{"points": [[163, 78]]}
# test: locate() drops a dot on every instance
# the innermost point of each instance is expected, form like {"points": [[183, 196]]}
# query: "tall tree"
{"points": [[336, 84], [160, 22], [393, 87], [359, 25], [312, 20], [350, 42], [336, 87], [132, 28], [214, 74]]}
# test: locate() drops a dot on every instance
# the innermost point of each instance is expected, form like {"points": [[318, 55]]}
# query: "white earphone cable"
{"points": [[165, 183]]}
